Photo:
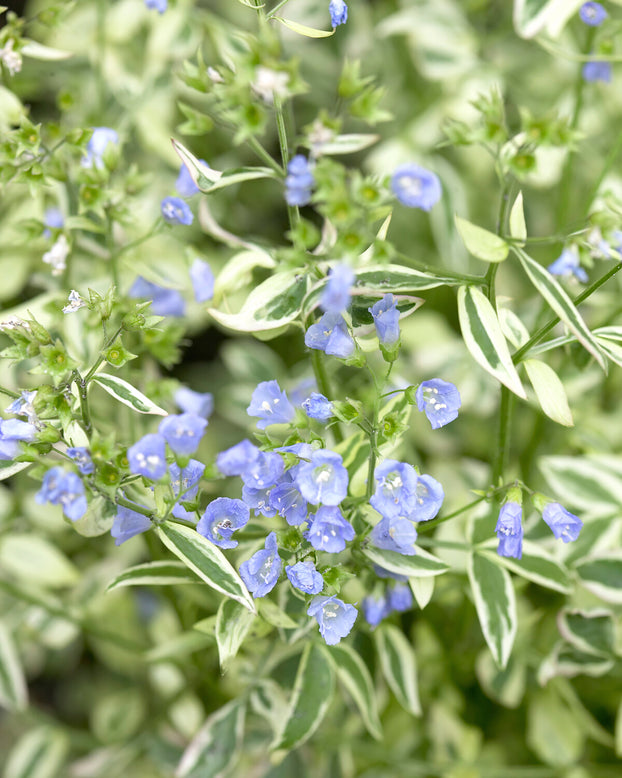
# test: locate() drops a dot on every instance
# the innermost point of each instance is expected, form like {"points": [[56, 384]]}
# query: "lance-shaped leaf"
{"points": [[127, 394], [7, 469], [352, 672], [533, 16], [206, 560], [518, 228], [592, 632], [556, 297], [421, 565], [154, 574], [535, 565], [233, 622], [37, 50], [302, 29], [602, 575], [482, 243], [350, 143], [215, 747], [422, 589], [495, 604], [549, 391], [589, 483], [484, 339], [13, 690], [203, 175], [311, 696], [399, 666], [273, 304], [39, 753]]}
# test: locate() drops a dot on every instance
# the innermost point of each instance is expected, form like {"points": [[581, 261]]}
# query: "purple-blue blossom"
{"points": [[375, 609], [271, 405], [330, 334], [185, 184], [147, 457], [222, 517], [97, 146], [237, 459], [164, 302], [318, 407], [395, 534], [202, 280], [198, 403], [157, 5], [183, 432], [386, 319], [563, 524], [395, 494], [53, 220], [509, 530], [305, 577], [185, 485], [62, 488], [429, 496], [338, 12], [597, 71], [323, 480], [127, 524], [286, 500], [259, 500], [592, 14], [335, 618], [176, 211], [263, 471], [12, 431], [299, 181], [336, 295], [82, 457], [415, 186], [567, 264], [440, 400], [261, 572], [329, 530], [400, 597]]}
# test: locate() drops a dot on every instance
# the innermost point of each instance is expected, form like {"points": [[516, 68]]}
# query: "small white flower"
{"points": [[12, 59], [75, 302], [269, 82], [57, 255]]}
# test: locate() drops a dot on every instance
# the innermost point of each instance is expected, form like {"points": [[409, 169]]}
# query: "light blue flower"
{"points": [[176, 211], [592, 14], [386, 319], [97, 145], [440, 400], [567, 264], [237, 459], [263, 471], [128, 523], [164, 302], [335, 618], [509, 530], [375, 609], [12, 431], [396, 491], [157, 5], [53, 220], [271, 405], [338, 12], [62, 488], [202, 280], [415, 186], [336, 295], [330, 334], [222, 517], [563, 524], [395, 534], [305, 577], [261, 572], [299, 181], [183, 432], [329, 530], [316, 406], [198, 403], [82, 457], [429, 497], [323, 480], [147, 457], [286, 500], [400, 597], [185, 483], [259, 500], [23, 406], [185, 184], [597, 71]]}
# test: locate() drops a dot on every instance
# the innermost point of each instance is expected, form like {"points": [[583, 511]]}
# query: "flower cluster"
{"points": [[299, 181]]}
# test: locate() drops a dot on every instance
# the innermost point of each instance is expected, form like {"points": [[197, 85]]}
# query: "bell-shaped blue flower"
{"points": [[198, 403], [237, 459], [202, 280], [259, 501], [62, 488], [222, 517], [157, 5], [336, 295], [82, 457], [395, 534], [592, 14], [183, 432], [305, 577], [375, 609], [263, 471], [128, 523], [147, 457], [386, 320], [440, 400], [396, 491], [567, 265], [286, 500], [185, 184], [597, 71], [176, 211], [271, 405], [316, 406], [261, 572], [323, 480], [400, 597], [185, 485], [335, 618], [563, 524], [415, 186], [429, 496], [329, 530], [12, 431], [330, 334], [338, 12], [509, 530]]}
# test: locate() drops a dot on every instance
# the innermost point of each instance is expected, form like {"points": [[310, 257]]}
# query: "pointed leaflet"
{"points": [[563, 306], [302, 29], [127, 394], [518, 228], [495, 604], [206, 560], [216, 745], [482, 243], [154, 574], [399, 666], [421, 565], [352, 672], [312, 694], [233, 622], [13, 690], [484, 339], [549, 391]]}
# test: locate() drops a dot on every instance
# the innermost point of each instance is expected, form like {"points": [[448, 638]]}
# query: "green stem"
{"points": [[430, 525], [110, 247], [264, 155], [503, 436], [276, 8], [442, 275], [323, 385], [82, 386], [100, 358], [292, 211], [133, 506], [9, 393]]}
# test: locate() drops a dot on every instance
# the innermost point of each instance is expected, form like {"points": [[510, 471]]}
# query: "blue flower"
{"points": [[400, 597], [82, 457], [330, 334], [261, 572], [395, 534], [334, 617], [97, 145], [440, 400], [259, 500], [263, 471], [592, 14], [128, 523], [12, 431], [299, 181], [375, 609], [53, 220], [396, 491], [202, 280], [185, 184], [597, 71], [185, 485], [148, 457], [316, 406], [66, 489], [323, 480], [286, 500], [567, 264], [23, 406], [271, 405], [429, 497], [328, 530], [198, 403], [176, 211], [338, 12], [509, 530], [305, 577], [336, 294], [164, 302], [386, 319], [237, 459], [415, 186], [157, 5], [222, 517], [51, 486], [563, 524], [183, 432]]}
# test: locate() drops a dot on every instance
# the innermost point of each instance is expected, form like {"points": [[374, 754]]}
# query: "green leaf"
{"points": [[273, 304], [553, 732], [482, 243], [549, 391], [116, 716], [484, 339], [533, 16], [13, 689], [154, 574], [181, 646], [422, 589], [239, 175], [422, 565], [602, 575], [311, 697], [216, 746], [206, 560], [507, 686], [495, 604], [352, 672], [233, 622], [350, 143], [399, 666], [37, 50], [274, 615], [518, 228], [592, 632], [302, 29], [127, 394], [512, 327], [35, 560], [566, 661], [236, 273], [400, 279], [7, 469], [203, 175], [563, 306], [589, 483], [535, 565], [39, 753]]}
